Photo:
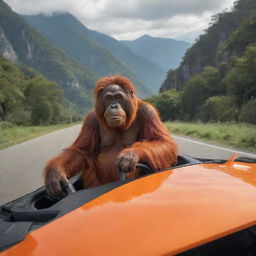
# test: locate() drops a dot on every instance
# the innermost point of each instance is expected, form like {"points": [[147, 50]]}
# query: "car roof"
{"points": [[163, 213]]}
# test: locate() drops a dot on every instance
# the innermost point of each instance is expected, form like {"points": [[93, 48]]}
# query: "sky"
{"points": [[130, 19]]}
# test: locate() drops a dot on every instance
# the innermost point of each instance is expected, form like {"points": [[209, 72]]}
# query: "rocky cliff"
{"points": [[228, 36]]}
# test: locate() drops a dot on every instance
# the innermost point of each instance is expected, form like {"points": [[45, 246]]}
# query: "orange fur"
{"points": [[144, 134]]}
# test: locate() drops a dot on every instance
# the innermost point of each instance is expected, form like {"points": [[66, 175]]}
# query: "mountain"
{"points": [[88, 48], [228, 36], [147, 71], [21, 43], [166, 53]]}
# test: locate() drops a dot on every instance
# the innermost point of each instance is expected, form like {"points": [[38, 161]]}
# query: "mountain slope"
{"points": [[243, 36], [167, 53], [227, 37], [147, 71], [67, 33], [29, 47]]}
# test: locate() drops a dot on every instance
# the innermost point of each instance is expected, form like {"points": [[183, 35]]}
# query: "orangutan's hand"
{"points": [[53, 183], [126, 161]]}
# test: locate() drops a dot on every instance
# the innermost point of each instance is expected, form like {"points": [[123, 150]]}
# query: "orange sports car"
{"points": [[200, 207]]}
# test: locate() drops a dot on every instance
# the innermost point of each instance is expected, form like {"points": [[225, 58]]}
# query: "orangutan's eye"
{"points": [[108, 98], [119, 97]]}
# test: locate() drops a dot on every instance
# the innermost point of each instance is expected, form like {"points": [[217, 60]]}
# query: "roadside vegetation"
{"points": [[30, 105], [241, 136], [11, 134], [216, 95], [28, 98], [218, 105]]}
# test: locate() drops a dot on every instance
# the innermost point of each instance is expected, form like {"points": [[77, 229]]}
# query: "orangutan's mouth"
{"points": [[115, 121], [115, 118]]}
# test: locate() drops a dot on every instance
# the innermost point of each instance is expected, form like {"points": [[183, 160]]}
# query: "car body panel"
{"points": [[160, 214]]}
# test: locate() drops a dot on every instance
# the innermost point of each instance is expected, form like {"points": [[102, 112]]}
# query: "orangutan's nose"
{"points": [[114, 106]]}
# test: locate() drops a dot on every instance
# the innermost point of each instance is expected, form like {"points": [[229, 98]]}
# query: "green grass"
{"points": [[241, 136], [17, 134], [237, 135]]}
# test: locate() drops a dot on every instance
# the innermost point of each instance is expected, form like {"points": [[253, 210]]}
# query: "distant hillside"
{"points": [[227, 37], [216, 81], [19, 42], [28, 98], [147, 71], [67, 33], [166, 53]]}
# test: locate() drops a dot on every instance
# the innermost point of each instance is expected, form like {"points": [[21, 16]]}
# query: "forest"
{"points": [[223, 94], [28, 98], [216, 81]]}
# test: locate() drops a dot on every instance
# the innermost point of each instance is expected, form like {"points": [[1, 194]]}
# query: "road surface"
{"points": [[21, 165]]}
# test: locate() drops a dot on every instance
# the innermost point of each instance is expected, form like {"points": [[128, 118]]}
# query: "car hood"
{"points": [[163, 213]]}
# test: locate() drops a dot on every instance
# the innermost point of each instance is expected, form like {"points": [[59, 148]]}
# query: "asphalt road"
{"points": [[21, 165]]}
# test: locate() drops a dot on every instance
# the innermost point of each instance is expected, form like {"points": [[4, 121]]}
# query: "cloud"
{"points": [[183, 19], [175, 27], [153, 9]]}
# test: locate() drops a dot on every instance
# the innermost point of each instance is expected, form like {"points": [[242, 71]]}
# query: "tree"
{"points": [[44, 99], [212, 76], [42, 113], [11, 98], [11, 88], [194, 95], [248, 112], [219, 108], [241, 78], [168, 104]]}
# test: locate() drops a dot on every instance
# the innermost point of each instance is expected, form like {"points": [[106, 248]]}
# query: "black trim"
{"points": [[40, 216], [242, 243], [12, 233], [246, 160]]}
